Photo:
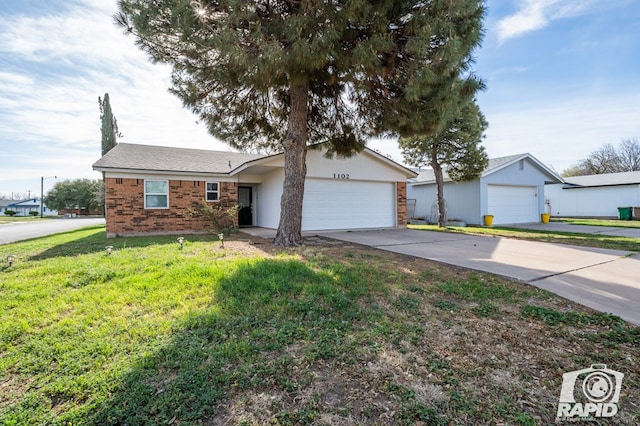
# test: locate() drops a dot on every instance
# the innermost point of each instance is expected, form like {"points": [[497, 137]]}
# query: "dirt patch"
{"points": [[447, 357]]}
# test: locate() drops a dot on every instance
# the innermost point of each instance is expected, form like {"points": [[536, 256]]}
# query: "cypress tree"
{"points": [[109, 125]]}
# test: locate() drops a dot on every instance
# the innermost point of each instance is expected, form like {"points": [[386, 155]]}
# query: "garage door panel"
{"points": [[512, 204], [330, 204]]}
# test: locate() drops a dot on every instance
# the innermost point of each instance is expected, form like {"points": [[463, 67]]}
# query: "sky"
{"points": [[562, 77]]}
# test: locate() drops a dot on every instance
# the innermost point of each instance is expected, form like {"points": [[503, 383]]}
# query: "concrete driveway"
{"points": [[605, 280], [18, 231]]}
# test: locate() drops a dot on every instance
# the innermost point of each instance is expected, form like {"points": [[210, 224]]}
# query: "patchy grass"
{"points": [[12, 219], [5, 220], [572, 238], [329, 333], [600, 222]]}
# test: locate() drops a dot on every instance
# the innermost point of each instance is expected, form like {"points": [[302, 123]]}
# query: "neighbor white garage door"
{"points": [[346, 204], [512, 204]]}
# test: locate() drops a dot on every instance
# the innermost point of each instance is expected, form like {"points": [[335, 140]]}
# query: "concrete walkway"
{"points": [[605, 280]]}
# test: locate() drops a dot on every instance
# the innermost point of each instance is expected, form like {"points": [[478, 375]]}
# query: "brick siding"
{"points": [[401, 203], [126, 215]]}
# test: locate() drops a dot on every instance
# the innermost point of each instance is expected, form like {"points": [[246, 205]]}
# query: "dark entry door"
{"points": [[245, 213]]}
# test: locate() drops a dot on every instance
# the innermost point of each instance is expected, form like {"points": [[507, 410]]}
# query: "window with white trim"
{"points": [[213, 191], [156, 194]]}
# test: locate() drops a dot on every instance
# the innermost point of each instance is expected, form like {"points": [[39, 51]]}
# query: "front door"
{"points": [[245, 213]]}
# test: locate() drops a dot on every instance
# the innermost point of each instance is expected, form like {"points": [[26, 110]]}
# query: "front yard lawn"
{"points": [[328, 333]]}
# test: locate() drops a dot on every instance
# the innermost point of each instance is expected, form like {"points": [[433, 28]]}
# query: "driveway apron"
{"points": [[605, 280]]}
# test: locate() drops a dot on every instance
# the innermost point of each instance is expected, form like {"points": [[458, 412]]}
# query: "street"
{"points": [[19, 231]]}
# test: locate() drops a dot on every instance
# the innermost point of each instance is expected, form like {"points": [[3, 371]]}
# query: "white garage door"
{"points": [[346, 204], [512, 204]]}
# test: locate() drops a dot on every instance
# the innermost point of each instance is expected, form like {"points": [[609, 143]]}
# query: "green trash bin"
{"points": [[624, 213]]}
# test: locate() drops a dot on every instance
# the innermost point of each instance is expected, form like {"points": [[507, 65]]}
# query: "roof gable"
{"points": [[141, 158], [427, 176]]}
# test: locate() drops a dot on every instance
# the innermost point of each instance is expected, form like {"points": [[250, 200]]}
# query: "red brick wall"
{"points": [[126, 214], [401, 203]]}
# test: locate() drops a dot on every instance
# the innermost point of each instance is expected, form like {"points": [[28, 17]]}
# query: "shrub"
{"points": [[33, 213], [222, 215], [9, 213]]}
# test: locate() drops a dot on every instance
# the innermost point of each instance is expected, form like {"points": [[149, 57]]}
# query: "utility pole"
{"points": [[42, 178]]}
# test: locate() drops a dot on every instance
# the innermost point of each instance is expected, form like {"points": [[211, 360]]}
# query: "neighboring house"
{"points": [[151, 189], [511, 189], [594, 195], [23, 207]]}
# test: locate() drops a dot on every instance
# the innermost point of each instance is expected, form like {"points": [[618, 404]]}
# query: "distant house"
{"points": [[23, 207], [151, 189], [512, 189], [594, 195]]}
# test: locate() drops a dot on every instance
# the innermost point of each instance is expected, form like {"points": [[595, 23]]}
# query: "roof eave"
{"points": [[158, 172]]}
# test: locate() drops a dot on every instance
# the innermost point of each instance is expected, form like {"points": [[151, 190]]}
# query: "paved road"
{"points": [[605, 280], [18, 231]]}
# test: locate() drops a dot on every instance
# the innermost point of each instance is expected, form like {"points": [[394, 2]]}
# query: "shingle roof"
{"points": [[606, 179], [170, 159], [497, 163], [427, 175]]}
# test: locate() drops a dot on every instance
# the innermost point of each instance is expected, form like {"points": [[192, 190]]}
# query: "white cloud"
{"points": [[54, 68], [532, 15]]}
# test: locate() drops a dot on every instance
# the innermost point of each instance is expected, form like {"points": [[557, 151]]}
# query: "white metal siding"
{"points": [[591, 201], [512, 204], [347, 204], [462, 200]]}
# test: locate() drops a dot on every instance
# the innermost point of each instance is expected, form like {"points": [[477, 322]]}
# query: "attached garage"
{"points": [[347, 204], [512, 204]]}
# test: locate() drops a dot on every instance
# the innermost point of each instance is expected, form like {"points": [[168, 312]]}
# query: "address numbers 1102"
{"points": [[341, 175]]}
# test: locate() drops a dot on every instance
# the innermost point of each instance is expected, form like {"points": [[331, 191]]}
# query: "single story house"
{"points": [[594, 195], [23, 207], [511, 189], [151, 189]]}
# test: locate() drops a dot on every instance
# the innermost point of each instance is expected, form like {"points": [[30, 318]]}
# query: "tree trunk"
{"points": [[437, 171], [295, 167]]}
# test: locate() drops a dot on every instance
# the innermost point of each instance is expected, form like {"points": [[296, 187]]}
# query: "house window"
{"points": [[213, 191], [156, 194]]}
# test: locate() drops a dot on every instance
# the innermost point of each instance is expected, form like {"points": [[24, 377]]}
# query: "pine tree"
{"points": [[457, 148], [109, 125], [295, 72]]}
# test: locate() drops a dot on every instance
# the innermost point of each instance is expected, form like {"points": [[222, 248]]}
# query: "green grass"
{"points": [[600, 222], [153, 334], [11, 219], [4, 220], [572, 238]]}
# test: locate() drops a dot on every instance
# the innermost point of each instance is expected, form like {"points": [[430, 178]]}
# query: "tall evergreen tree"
{"points": [[295, 72], [109, 124], [457, 148]]}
